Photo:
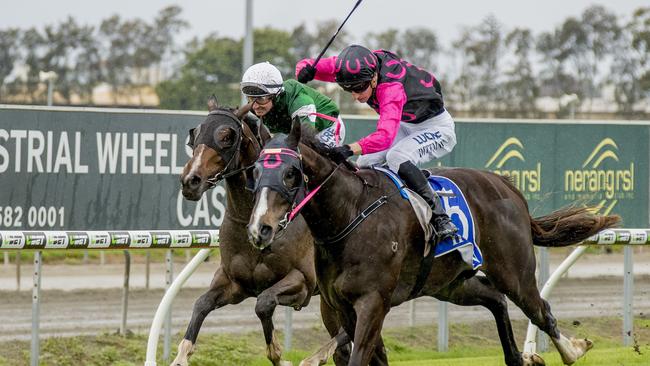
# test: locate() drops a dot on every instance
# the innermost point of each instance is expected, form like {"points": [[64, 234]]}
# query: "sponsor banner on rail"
{"points": [[85, 169], [109, 239]]}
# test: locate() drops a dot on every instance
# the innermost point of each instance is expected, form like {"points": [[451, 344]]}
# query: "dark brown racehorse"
{"points": [[375, 267], [282, 274]]}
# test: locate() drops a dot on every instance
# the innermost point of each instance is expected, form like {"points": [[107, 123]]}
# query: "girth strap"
{"points": [[425, 268]]}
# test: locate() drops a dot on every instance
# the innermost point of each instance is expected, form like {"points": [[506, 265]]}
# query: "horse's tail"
{"points": [[568, 226]]}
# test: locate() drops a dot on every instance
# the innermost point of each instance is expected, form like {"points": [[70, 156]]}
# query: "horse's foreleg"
{"points": [[332, 347], [379, 357], [292, 291], [479, 291], [333, 325], [222, 292], [371, 310]]}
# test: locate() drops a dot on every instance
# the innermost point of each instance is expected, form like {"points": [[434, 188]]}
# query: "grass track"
{"points": [[470, 344]]}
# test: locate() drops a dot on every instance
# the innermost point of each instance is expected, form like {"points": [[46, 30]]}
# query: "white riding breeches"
{"points": [[419, 143]]}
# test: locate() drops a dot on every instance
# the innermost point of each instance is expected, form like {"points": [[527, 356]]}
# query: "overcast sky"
{"points": [[227, 17]]}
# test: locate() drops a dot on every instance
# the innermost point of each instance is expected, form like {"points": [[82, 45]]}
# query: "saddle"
{"points": [[458, 210]]}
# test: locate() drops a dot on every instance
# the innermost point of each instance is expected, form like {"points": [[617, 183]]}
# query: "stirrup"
{"points": [[449, 232]]}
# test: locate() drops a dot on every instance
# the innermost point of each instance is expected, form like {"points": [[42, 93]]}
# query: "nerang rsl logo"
{"points": [[508, 160], [603, 176]]}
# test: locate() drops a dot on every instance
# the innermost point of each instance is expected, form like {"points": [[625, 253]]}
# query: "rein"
{"points": [[295, 208], [290, 215], [356, 222]]}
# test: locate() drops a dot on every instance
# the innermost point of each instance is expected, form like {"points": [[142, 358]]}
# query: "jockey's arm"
{"points": [[391, 97], [325, 69]]}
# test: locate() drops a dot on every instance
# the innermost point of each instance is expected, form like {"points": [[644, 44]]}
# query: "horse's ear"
{"points": [[190, 140], [212, 103], [294, 135], [243, 111]]}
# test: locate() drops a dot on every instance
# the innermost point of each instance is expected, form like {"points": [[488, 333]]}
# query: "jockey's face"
{"points": [[363, 96], [262, 109]]}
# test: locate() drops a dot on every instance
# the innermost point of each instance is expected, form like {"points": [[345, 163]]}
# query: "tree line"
{"points": [[487, 68]]}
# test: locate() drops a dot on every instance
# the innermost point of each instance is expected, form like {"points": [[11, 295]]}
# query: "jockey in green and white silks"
{"points": [[276, 102]]}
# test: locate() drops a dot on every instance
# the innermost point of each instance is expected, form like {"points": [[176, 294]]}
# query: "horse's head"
{"points": [[220, 146], [279, 185]]}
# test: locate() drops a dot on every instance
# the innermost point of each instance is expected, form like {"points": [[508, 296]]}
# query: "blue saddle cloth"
{"points": [[458, 210]]}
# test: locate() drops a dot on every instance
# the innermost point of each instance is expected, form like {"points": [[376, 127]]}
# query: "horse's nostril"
{"points": [[194, 180], [265, 231]]}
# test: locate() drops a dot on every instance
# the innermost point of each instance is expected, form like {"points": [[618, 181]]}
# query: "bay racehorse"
{"points": [[282, 274], [375, 266]]}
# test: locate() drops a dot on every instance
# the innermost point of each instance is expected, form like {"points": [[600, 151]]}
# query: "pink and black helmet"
{"points": [[355, 65]]}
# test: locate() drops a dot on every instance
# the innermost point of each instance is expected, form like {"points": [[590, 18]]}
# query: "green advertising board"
{"points": [[104, 169], [97, 169], [556, 163]]}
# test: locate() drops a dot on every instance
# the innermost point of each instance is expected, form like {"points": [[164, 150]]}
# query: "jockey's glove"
{"points": [[307, 74], [340, 153]]}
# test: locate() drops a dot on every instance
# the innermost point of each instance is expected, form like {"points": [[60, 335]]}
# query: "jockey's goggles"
{"points": [[357, 87], [260, 100]]}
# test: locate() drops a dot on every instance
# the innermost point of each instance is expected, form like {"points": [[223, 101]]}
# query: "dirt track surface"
{"points": [[71, 307]]}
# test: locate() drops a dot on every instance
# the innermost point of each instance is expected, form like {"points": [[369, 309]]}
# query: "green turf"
{"points": [[470, 344]]}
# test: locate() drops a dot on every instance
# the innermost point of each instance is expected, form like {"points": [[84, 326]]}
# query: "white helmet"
{"points": [[261, 79]]}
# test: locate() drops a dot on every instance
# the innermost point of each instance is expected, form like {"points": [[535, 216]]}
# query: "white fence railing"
{"points": [[206, 239], [111, 240], [627, 237]]}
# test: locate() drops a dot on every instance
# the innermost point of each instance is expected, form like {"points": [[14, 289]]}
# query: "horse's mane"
{"points": [[308, 137]]}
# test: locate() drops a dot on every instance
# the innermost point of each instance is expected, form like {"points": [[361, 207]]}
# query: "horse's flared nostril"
{"points": [[192, 181], [265, 231]]}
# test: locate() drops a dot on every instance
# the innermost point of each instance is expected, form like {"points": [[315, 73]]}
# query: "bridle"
{"points": [[299, 195], [233, 151]]}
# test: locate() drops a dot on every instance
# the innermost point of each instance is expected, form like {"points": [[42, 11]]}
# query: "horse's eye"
{"points": [[289, 178], [225, 137]]}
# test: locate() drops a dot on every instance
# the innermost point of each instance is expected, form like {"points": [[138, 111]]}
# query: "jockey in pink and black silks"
{"points": [[413, 126]]}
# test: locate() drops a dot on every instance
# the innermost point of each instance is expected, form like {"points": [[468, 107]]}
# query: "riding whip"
{"points": [[336, 34]]}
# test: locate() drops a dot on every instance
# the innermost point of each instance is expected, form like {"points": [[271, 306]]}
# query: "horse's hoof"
{"points": [[310, 362], [286, 363], [185, 349], [532, 359], [180, 362], [581, 346]]}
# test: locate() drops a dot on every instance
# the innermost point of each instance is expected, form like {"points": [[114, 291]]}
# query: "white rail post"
{"points": [[169, 278], [125, 291], [443, 326], [18, 257], [36, 307], [288, 327], [628, 297], [543, 274], [166, 303], [412, 313], [147, 270]]}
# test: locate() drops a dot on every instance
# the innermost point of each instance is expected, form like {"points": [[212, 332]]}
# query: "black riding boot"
{"points": [[415, 180]]}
